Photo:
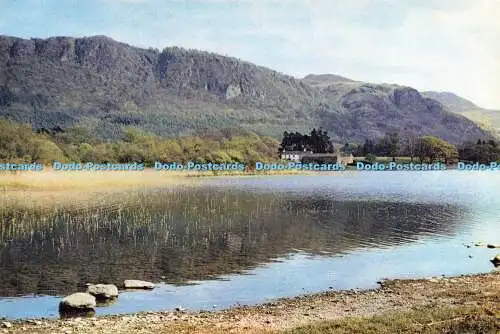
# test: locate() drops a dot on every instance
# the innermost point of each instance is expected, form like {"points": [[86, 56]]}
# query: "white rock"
{"points": [[6, 324], [103, 291], [136, 284], [79, 300]]}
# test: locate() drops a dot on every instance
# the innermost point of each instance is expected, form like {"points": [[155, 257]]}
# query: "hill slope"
{"points": [[454, 102], [486, 118], [324, 80], [102, 84]]}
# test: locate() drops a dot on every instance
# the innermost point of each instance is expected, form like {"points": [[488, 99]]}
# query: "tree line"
{"points": [[318, 141], [20, 144], [425, 148]]}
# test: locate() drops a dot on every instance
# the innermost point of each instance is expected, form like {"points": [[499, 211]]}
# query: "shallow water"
{"points": [[245, 240]]}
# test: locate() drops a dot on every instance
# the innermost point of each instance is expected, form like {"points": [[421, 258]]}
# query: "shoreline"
{"points": [[466, 296], [58, 180], [51, 180]]}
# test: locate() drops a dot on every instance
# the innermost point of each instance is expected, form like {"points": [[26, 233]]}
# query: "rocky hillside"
{"points": [[486, 118], [101, 84]]}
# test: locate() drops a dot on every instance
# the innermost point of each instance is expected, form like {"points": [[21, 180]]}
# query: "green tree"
{"points": [[393, 145], [371, 158], [436, 149], [48, 152]]}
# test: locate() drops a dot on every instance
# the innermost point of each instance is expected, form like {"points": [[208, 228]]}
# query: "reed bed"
{"points": [[107, 180], [176, 233], [54, 180], [30, 211], [136, 225], [245, 173]]}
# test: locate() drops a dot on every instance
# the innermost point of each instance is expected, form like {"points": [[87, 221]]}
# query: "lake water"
{"points": [[247, 240]]}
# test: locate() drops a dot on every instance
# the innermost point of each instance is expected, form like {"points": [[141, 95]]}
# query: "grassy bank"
{"points": [[65, 180], [248, 173], [433, 319], [468, 304], [49, 179], [57, 180]]}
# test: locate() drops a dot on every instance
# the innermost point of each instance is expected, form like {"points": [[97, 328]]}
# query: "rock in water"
{"points": [[103, 291], [136, 284], [77, 301], [496, 260]]}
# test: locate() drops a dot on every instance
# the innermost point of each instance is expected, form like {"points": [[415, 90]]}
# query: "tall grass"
{"points": [[64, 180], [51, 180], [182, 232]]}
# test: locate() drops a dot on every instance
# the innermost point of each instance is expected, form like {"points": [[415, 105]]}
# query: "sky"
{"points": [[440, 45]]}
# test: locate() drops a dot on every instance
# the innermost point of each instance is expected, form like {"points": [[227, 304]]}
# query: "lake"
{"points": [[245, 240]]}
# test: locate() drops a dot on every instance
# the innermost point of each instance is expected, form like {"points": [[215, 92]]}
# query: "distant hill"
{"points": [[103, 85], [324, 80], [486, 118], [452, 101]]}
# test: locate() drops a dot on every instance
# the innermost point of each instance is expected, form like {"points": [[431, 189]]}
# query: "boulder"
{"points": [[103, 291], [496, 260], [6, 324], [136, 284], [77, 301]]}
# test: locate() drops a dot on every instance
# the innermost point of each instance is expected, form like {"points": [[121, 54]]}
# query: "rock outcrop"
{"points": [[59, 81]]}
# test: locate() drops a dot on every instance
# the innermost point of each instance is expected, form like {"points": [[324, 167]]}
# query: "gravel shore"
{"points": [[283, 314]]}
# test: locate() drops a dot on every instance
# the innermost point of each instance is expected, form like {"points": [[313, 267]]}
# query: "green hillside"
{"points": [[102, 85]]}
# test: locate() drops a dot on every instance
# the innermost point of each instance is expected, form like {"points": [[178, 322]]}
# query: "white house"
{"points": [[298, 156], [294, 155]]}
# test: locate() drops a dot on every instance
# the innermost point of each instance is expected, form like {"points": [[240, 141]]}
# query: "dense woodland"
{"points": [[318, 141], [19, 143]]}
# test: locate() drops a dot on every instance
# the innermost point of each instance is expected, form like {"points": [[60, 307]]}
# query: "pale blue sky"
{"points": [[444, 45]]}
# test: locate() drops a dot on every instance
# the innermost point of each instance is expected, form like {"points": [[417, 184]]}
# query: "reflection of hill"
{"points": [[194, 235]]}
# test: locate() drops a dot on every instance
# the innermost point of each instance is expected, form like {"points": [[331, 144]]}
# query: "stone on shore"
{"points": [[103, 291], [6, 324], [77, 301], [496, 260], [136, 284]]}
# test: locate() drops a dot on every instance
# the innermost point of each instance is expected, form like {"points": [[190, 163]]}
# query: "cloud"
{"points": [[443, 46]]}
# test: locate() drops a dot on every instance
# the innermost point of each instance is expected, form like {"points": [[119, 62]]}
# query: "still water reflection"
{"points": [[244, 240]]}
